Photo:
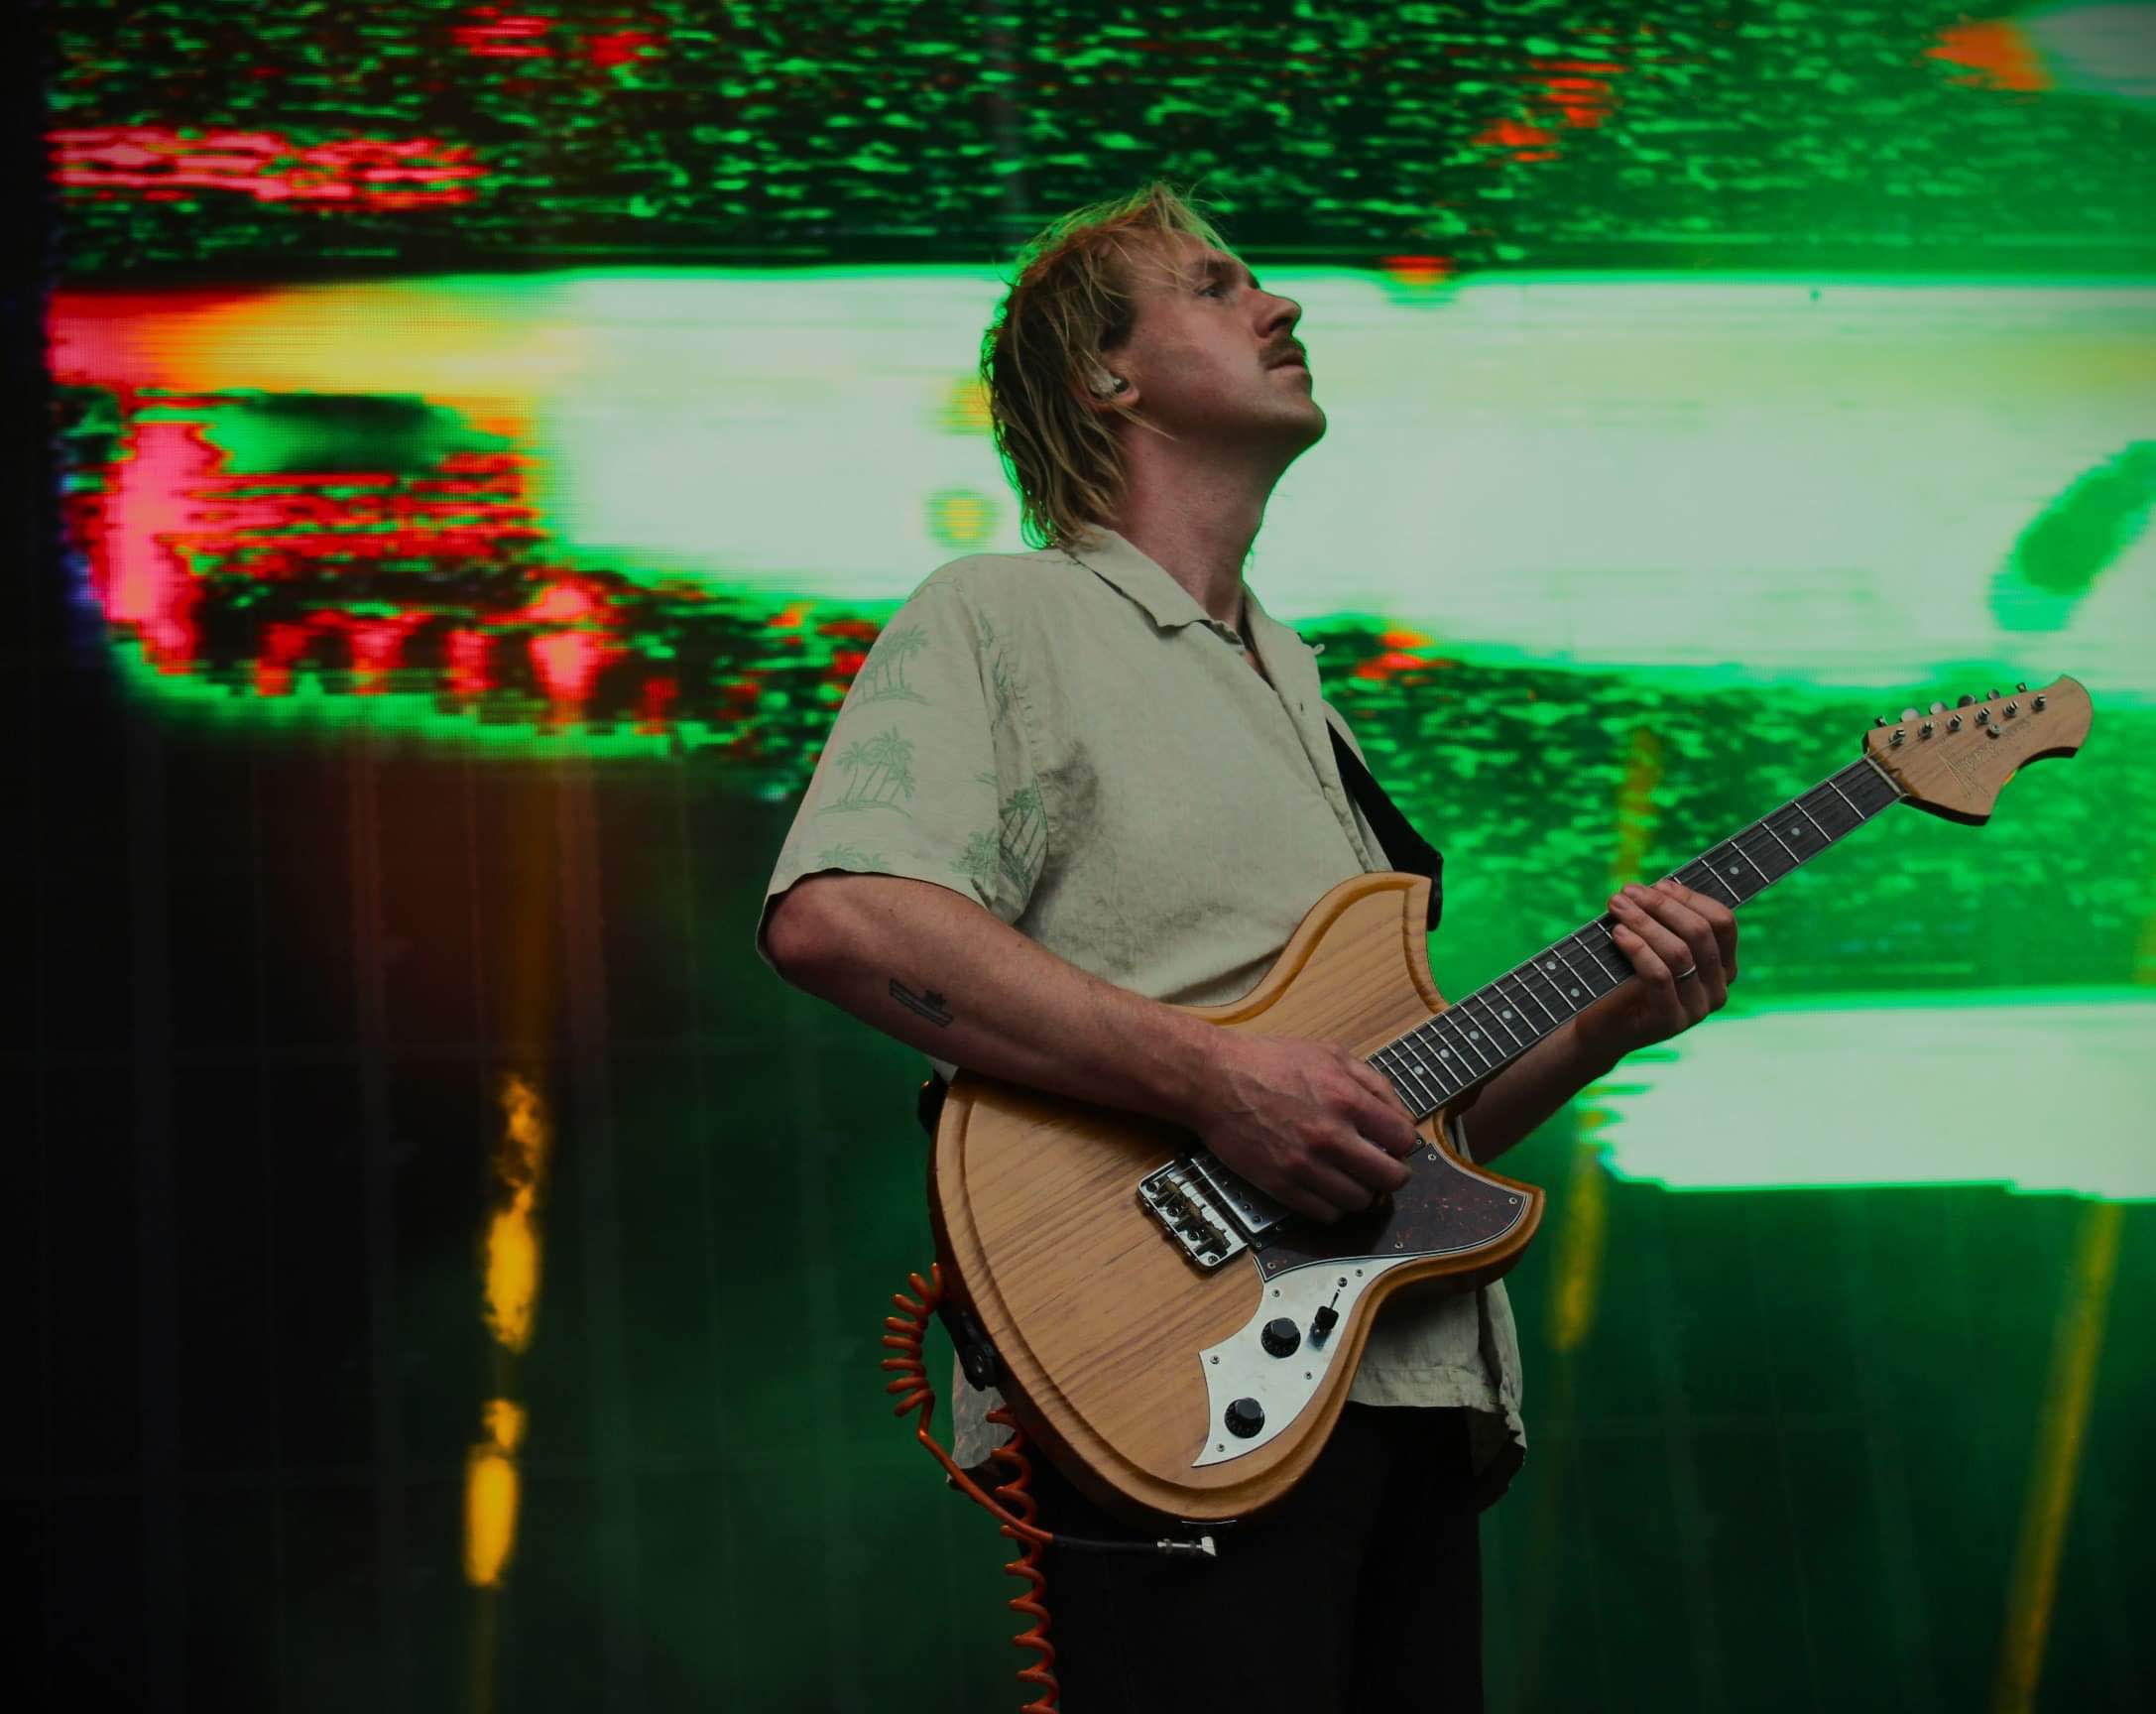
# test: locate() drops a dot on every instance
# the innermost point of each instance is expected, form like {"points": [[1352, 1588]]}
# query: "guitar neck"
{"points": [[1479, 1035]]}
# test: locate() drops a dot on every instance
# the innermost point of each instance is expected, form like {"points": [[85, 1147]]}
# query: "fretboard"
{"points": [[1475, 1038]]}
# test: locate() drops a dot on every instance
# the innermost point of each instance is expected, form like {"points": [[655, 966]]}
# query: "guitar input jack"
{"points": [[1013, 1507]]}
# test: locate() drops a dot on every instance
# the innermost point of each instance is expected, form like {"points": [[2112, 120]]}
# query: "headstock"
{"points": [[1953, 761]]}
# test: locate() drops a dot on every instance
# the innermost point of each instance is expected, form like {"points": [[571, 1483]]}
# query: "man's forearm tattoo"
{"points": [[929, 1003]]}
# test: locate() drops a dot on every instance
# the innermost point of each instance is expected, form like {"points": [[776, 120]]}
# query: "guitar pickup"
{"points": [[1192, 1212]]}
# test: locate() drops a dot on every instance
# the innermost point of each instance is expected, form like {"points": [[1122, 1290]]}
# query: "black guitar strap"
{"points": [[1408, 849]]}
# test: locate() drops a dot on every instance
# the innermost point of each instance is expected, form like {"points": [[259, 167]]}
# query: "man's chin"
{"points": [[1289, 430], [1313, 424]]}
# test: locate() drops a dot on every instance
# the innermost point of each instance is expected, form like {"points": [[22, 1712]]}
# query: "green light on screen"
{"points": [[2048, 1091]]}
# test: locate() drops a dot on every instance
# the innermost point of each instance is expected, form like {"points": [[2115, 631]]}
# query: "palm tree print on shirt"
{"points": [[1000, 685], [1014, 847], [883, 675], [847, 856], [880, 772]]}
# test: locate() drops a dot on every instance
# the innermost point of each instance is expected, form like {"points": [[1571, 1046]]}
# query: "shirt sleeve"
{"points": [[926, 774]]}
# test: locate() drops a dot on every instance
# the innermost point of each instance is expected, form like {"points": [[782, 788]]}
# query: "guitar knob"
{"points": [[1245, 1418], [1280, 1337]]}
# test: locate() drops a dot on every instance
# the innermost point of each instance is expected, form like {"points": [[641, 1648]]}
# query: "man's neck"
{"points": [[1200, 538]]}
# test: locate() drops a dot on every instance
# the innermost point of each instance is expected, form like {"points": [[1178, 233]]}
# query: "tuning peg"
{"points": [[1938, 708], [2038, 703], [1878, 720], [2021, 685], [1991, 695], [1963, 701]]}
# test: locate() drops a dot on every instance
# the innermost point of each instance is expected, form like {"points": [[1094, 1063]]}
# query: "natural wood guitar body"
{"points": [[1133, 1333], [1099, 1318]]}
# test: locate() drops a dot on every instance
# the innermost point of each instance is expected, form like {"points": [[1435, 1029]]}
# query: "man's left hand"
{"points": [[1664, 929]]}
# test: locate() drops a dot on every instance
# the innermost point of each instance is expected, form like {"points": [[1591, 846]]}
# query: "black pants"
{"points": [[1362, 1590]]}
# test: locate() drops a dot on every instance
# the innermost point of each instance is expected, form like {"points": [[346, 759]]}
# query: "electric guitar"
{"points": [[1180, 1342]]}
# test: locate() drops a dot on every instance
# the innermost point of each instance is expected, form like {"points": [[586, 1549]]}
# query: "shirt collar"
{"points": [[1120, 565], [1267, 633]]}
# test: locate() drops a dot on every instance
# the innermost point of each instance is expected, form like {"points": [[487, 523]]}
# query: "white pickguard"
{"points": [[1240, 1365]]}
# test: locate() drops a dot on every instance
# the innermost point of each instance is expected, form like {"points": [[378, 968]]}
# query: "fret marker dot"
{"points": [[1444, 1052], [1474, 1035], [1574, 992]]}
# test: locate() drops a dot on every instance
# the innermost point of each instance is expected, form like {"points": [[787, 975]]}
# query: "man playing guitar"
{"points": [[1074, 789]]}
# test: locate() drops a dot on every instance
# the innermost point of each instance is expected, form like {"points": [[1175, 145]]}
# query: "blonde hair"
{"points": [[1074, 298]]}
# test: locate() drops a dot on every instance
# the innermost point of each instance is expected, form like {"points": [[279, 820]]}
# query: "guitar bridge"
{"points": [[1208, 1211], [1196, 1220]]}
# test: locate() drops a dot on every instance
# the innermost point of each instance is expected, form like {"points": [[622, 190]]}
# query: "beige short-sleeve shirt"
{"points": [[1066, 738]]}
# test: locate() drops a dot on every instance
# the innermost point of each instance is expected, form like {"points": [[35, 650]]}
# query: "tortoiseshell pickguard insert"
{"points": [[1440, 1211]]}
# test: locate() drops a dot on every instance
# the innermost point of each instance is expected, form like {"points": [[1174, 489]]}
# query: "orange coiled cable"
{"points": [[1016, 1492], [903, 1334]]}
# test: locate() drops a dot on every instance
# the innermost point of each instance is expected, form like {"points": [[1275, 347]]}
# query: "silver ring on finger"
{"points": [[1688, 970]]}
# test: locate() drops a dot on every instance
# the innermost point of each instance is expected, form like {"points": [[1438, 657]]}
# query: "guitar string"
{"points": [[1412, 1075], [1405, 1048]]}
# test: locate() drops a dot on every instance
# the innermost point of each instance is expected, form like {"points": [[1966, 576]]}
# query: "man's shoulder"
{"points": [[1006, 583]]}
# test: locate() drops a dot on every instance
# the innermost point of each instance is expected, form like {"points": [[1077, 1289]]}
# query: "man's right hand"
{"points": [[1309, 1123]]}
